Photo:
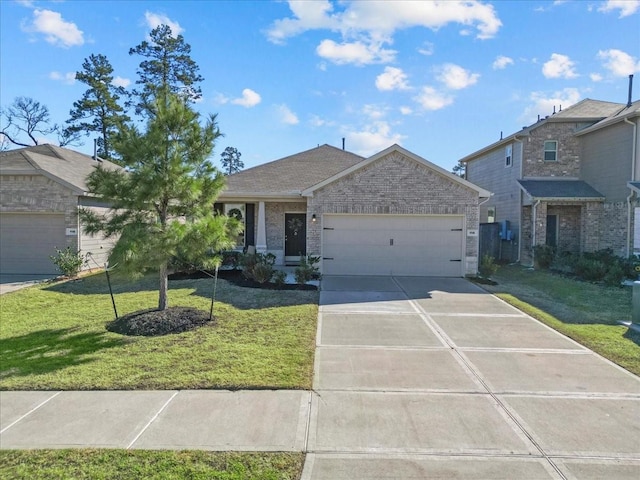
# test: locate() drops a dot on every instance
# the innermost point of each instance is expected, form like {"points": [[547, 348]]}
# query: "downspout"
{"points": [[515, 138], [633, 178], [534, 212]]}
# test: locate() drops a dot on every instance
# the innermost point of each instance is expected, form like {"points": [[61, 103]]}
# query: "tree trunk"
{"points": [[164, 287]]}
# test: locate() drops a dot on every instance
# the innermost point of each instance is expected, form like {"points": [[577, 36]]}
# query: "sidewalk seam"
{"points": [[151, 420], [30, 412]]}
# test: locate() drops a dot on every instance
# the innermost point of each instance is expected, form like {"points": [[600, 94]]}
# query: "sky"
{"points": [[442, 79]]}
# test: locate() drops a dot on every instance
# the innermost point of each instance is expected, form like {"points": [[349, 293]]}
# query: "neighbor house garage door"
{"points": [[27, 241], [429, 245]]}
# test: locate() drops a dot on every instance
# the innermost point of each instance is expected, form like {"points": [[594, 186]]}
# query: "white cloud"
{"points": [[430, 99], [626, 7], [559, 66], [371, 138], [392, 79], [121, 82], [619, 63], [543, 104], [286, 115], [501, 62], [154, 20], [427, 49], [404, 110], [367, 28], [55, 29], [68, 78], [455, 77], [249, 99], [374, 112], [358, 53], [595, 77]]}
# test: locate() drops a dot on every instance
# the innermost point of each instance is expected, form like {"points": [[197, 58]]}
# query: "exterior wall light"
{"points": [[314, 218]]}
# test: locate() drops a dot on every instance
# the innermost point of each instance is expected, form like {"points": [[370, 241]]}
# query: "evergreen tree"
{"points": [[167, 69], [98, 110], [230, 160], [162, 204]]}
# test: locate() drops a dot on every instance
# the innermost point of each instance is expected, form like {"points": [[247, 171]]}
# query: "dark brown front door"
{"points": [[295, 235]]}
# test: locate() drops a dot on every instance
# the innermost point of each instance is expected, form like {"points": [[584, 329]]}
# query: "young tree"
{"points": [[98, 110], [26, 116], [162, 203], [230, 160], [167, 69]]}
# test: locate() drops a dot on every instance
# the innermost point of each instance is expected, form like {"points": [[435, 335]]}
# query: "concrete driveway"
{"points": [[10, 282], [435, 378]]}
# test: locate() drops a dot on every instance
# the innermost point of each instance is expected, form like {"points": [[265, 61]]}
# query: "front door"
{"points": [[552, 230], [295, 236]]}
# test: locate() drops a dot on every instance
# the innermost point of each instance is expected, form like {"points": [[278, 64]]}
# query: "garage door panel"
{"points": [[392, 244], [28, 240]]}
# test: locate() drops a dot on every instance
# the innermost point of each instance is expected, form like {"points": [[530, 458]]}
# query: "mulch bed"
{"points": [[236, 277], [151, 323]]}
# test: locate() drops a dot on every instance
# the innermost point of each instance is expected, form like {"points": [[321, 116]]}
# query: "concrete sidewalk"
{"points": [[414, 378]]}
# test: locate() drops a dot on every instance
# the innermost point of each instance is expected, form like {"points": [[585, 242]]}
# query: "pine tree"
{"points": [[162, 204], [167, 68], [230, 160], [98, 110]]}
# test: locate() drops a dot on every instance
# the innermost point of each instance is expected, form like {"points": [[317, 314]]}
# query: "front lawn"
{"points": [[53, 337], [588, 313], [157, 465]]}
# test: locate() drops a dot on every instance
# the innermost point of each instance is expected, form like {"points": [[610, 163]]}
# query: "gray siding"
{"points": [[490, 173], [606, 161]]}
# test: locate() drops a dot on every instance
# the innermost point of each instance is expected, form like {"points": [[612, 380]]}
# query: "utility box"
{"points": [[635, 301]]}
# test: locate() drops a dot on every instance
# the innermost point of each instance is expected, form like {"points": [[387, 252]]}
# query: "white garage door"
{"points": [[428, 245], [27, 241]]}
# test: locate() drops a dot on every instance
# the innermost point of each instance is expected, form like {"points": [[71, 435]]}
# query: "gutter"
{"points": [[633, 178]]}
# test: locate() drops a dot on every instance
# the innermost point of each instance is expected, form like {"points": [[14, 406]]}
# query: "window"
{"points": [[491, 214], [237, 211], [508, 156], [550, 151]]}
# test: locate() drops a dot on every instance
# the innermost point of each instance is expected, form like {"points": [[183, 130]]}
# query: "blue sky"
{"points": [[442, 79]]}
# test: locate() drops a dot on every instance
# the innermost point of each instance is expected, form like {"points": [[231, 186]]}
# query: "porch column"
{"points": [[261, 238]]}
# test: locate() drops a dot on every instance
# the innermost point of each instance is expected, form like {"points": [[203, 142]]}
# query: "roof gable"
{"points": [[290, 175], [397, 148], [67, 167]]}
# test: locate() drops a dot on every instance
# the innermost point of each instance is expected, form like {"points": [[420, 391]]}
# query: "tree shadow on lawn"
{"points": [[632, 335], [240, 297], [46, 351]]}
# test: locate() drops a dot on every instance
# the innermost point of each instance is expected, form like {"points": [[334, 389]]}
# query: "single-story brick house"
{"points": [[392, 213], [42, 189]]}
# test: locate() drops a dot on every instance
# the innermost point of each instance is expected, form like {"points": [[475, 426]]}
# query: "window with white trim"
{"points": [[491, 214], [551, 151], [508, 156]]}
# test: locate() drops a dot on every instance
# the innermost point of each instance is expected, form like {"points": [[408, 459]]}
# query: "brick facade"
{"points": [[396, 185], [568, 155], [39, 194]]}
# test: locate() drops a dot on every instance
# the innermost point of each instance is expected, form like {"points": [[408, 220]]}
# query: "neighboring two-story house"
{"points": [[571, 180]]}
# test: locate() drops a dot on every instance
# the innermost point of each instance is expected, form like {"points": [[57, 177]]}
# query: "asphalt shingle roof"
{"points": [[292, 174], [589, 108], [67, 165], [566, 189]]}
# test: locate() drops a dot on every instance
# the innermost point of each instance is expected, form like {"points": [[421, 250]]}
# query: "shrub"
{"points": [[615, 275], [279, 278], [258, 266], [68, 261], [590, 269], [307, 269], [231, 259], [488, 267], [543, 255]]}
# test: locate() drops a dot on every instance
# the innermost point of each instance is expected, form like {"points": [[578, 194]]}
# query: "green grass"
{"points": [[140, 464], [588, 313], [53, 337]]}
